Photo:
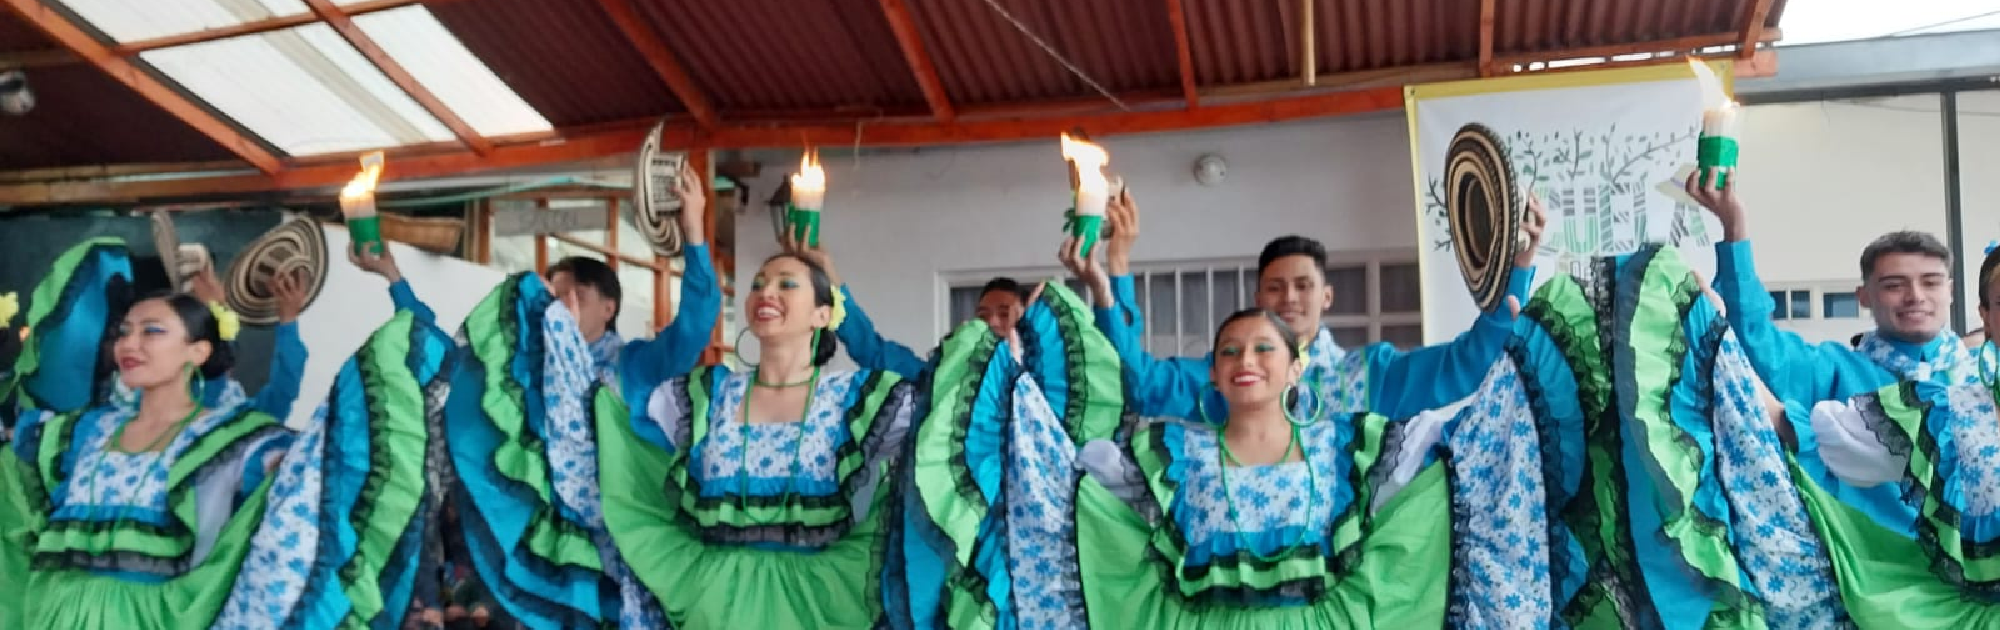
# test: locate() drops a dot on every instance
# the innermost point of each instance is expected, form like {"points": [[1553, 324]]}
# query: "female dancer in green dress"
{"points": [[761, 499]]}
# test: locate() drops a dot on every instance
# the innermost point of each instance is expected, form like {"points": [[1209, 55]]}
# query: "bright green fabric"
{"points": [[1399, 582]]}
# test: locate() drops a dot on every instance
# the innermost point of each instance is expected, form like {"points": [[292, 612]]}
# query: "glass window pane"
{"points": [[964, 303], [1350, 336], [1402, 291], [1841, 305], [1404, 336], [303, 89], [1227, 295], [1779, 304], [1195, 307], [1802, 305], [438, 61], [635, 311], [132, 20], [1350, 290], [1160, 309]]}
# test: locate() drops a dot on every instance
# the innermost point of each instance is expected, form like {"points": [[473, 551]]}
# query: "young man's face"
{"points": [[596, 310], [1000, 309], [1909, 295], [1295, 288]]}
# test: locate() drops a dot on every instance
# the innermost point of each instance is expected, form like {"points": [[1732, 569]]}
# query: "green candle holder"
{"points": [[366, 234], [804, 225], [1716, 154]]}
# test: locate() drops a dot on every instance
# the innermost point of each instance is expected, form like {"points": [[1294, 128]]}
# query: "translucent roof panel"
{"points": [[415, 39], [303, 89], [1816, 21], [133, 20]]}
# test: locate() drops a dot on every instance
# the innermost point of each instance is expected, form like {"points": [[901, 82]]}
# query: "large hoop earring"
{"points": [[1298, 398], [1201, 407], [196, 383], [736, 348]]}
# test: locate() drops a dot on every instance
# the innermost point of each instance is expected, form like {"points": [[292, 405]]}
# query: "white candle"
{"points": [[809, 184], [1092, 190]]}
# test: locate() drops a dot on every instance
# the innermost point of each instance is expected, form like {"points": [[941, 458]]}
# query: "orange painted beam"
{"points": [[399, 75], [59, 29], [1183, 51], [266, 25], [904, 25], [1486, 19], [649, 45], [1754, 17], [915, 134]]}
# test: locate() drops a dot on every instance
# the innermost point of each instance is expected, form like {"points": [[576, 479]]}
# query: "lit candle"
{"points": [[808, 197], [1091, 191], [1716, 149], [357, 203]]}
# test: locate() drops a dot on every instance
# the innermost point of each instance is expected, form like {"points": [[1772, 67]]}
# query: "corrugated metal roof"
{"points": [[83, 118], [564, 58], [765, 55], [18, 36], [794, 60], [983, 58]]}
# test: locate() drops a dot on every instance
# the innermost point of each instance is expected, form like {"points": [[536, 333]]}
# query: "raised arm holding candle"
{"points": [[357, 202]]}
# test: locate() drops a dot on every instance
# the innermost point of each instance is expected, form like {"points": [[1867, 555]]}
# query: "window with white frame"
{"points": [[1376, 297], [1805, 303]]}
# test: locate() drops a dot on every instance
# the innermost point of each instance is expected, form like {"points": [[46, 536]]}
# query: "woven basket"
{"points": [[439, 235]]}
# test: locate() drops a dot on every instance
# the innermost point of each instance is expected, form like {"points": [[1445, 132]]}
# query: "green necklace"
{"points": [[798, 459], [1222, 460]]}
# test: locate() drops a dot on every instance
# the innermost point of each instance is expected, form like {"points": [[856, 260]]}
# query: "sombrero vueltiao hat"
{"points": [[295, 246], [1485, 211], [656, 204], [180, 261]]}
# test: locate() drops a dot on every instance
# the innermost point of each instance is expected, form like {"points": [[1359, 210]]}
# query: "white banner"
{"points": [[1606, 151]]}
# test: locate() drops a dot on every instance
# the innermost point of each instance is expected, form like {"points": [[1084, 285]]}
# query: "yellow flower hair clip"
{"points": [[839, 310], [1303, 346], [10, 305], [226, 322]]}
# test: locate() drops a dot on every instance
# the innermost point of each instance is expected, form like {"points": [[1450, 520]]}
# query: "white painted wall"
{"points": [[354, 303], [1822, 179], [897, 222]]}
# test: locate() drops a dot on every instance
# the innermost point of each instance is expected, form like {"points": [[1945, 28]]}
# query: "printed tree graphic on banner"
{"points": [[1594, 188]]}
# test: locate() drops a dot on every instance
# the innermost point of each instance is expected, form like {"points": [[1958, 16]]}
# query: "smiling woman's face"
{"points": [[1252, 364], [153, 348]]}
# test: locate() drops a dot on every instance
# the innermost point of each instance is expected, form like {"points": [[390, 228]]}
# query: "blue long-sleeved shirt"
{"points": [[677, 348], [1400, 384], [870, 350], [1802, 374], [289, 356]]}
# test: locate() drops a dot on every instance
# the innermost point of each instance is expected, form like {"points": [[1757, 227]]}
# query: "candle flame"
{"points": [[363, 183], [1087, 160], [810, 175], [1712, 96], [1087, 155]]}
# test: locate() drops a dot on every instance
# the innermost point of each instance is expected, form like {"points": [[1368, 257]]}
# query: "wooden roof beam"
{"points": [[397, 74], [27, 59], [266, 25], [1754, 16], [59, 29], [1486, 19], [904, 25], [649, 45], [1183, 51]]}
